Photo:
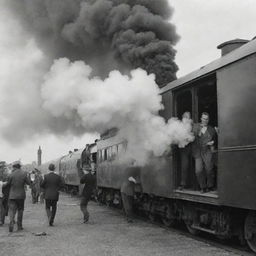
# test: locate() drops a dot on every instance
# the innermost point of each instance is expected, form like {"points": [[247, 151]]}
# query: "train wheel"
{"points": [[250, 230], [192, 230], [169, 219], [151, 217], [168, 222]]}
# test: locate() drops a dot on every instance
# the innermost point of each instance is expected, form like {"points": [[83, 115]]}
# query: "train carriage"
{"points": [[226, 89], [70, 166], [44, 167]]}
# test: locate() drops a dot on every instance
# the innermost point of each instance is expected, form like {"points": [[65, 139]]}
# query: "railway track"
{"points": [[230, 245]]}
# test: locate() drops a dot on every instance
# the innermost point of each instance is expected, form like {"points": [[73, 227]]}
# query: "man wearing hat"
{"points": [[17, 181], [127, 194], [51, 184], [89, 180]]}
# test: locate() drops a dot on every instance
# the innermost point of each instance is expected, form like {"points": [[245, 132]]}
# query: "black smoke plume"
{"points": [[107, 34]]}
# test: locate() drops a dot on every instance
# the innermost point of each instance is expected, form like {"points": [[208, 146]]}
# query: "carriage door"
{"points": [[183, 101], [206, 101]]}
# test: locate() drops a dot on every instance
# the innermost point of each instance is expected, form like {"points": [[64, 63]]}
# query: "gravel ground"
{"points": [[107, 233]]}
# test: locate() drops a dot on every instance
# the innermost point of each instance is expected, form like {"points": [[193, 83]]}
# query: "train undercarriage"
{"points": [[73, 189], [223, 222]]}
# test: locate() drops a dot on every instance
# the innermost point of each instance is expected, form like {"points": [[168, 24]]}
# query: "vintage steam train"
{"points": [[226, 89], [69, 166]]}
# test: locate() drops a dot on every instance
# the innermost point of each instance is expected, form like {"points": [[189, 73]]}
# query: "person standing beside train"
{"points": [[127, 194], [203, 152], [17, 181], [185, 152], [88, 178], [51, 184]]}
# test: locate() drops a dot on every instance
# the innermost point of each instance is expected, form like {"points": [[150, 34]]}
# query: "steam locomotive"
{"points": [[69, 166], [226, 89]]}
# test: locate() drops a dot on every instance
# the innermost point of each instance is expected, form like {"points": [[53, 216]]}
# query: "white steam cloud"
{"points": [[41, 96], [130, 104]]}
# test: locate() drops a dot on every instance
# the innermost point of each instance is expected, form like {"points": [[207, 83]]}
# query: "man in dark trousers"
{"points": [[5, 191], [127, 194], [202, 150], [51, 184], [89, 181], [17, 181]]}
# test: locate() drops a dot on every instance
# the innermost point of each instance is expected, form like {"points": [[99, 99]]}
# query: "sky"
{"points": [[202, 26]]}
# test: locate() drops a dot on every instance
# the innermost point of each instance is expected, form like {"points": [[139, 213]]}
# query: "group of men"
{"points": [[201, 149], [51, 184]]}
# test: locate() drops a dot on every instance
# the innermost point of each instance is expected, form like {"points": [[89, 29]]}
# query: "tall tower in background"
{"points": [[39, 156]]}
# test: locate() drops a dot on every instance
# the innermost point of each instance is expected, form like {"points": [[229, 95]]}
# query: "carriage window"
{"points": [[120, 149], [207, 102], [99, 156], [104, 154], [114, 151], [94, 157], [183, 103], [109, 153]]}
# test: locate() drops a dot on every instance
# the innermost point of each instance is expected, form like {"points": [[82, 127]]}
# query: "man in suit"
{"points": [[203, 145], [17, 181], [89, 180], [51, 184]]}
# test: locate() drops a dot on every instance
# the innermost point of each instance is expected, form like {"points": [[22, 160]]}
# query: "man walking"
{"points": [[17, 181], [51, 184], [89, 181]]}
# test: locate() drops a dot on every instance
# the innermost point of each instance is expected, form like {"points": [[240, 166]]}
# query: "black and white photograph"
{"points": [[127, 128]]}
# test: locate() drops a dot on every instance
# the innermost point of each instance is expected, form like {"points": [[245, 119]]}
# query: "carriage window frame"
{"points": [[194, 87], [114, 152]]}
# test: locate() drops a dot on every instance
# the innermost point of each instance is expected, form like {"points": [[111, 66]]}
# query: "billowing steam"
{"points": [[58, 70], [130, 104]]}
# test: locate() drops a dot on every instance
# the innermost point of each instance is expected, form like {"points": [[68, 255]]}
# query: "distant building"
{"points": [[39, 156]]}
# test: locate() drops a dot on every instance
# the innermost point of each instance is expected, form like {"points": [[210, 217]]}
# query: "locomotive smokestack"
{"points": [[231, 45], [39, 156]]}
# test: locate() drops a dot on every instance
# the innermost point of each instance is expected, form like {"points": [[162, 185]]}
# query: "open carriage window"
{"points": [[207, 101], [114, 152]]}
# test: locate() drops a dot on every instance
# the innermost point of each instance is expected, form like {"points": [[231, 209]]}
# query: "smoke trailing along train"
{"points": [[226, 89]]}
